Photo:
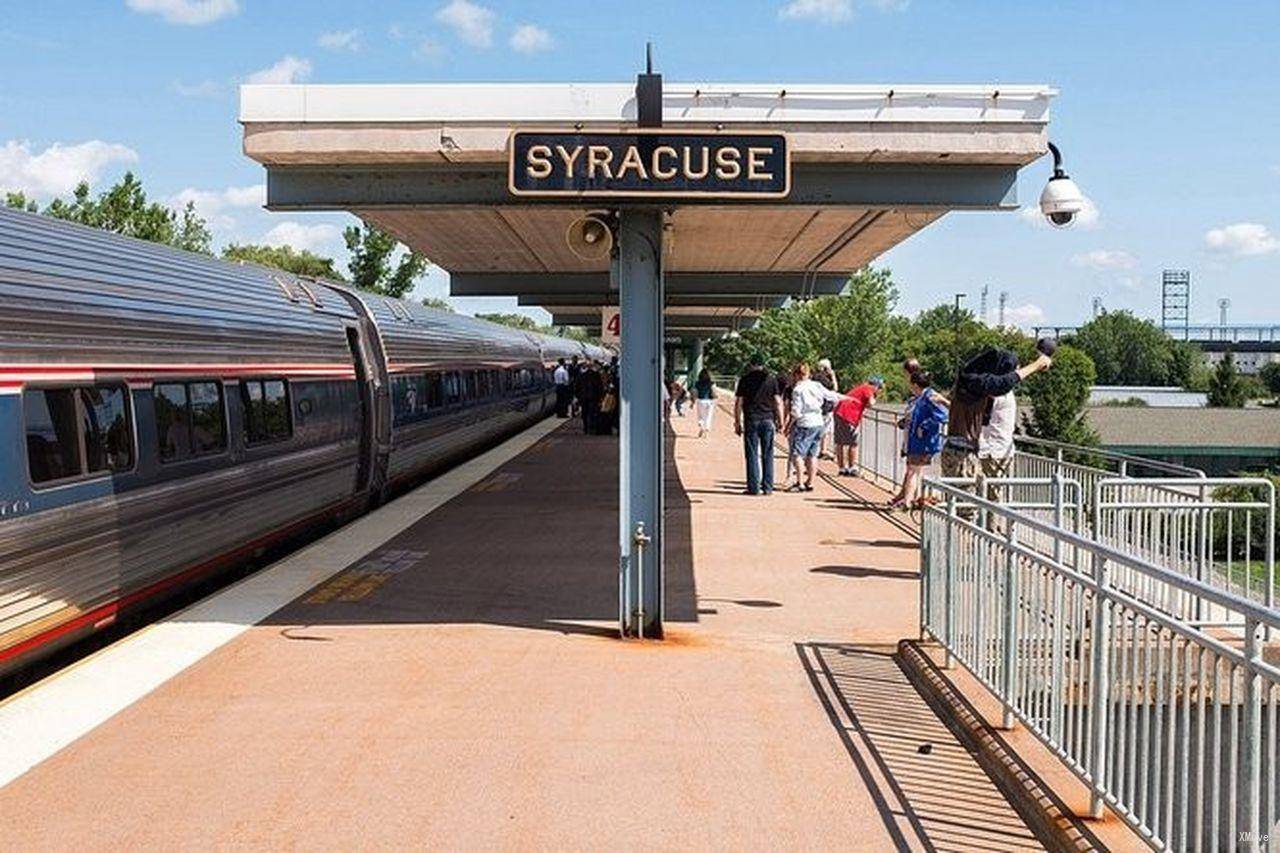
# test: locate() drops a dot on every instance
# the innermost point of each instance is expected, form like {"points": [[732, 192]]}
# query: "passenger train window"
{"points": [[76, 432], [452, 388], [266, 410], [435, 390], [190, 419], [409, 397]]}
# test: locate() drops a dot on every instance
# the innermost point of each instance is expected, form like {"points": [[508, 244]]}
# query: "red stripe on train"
{"points": [[105, 614]]}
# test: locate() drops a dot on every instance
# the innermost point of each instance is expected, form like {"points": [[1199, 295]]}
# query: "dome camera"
{"points": [[1061, 200]]}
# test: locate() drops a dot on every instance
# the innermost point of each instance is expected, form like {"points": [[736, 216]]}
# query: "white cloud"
{"points": [[187, 12], [1105, 259], [1024, 316], [215, 205], [826, 11], [57, 169], [1275, 170], [291, 69], [203, 89], [472, 22], [1086, 220], [348, 40], [312, 238], [1242, 239], [530, 38]]}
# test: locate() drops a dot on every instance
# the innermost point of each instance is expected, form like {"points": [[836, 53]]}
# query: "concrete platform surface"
{"points": [[459, 685]]}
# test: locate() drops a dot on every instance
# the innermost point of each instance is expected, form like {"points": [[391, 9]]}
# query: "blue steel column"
{"points": [[640, 482], [695, 360]]}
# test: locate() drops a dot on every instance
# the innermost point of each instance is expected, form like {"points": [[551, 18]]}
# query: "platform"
{"points": [[446, 672]]}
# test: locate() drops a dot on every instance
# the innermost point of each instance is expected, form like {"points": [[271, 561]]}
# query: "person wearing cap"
{"points": [[848, 416], [757, 414]]}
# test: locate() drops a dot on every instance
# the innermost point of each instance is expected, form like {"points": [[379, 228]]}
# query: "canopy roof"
{"points": [[871, 165]]}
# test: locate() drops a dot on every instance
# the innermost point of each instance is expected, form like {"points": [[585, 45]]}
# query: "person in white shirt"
{"points": [[995, 442], [807, 424], [564, 394]]}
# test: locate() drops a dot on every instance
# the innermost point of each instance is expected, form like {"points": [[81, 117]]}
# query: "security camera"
{"points": [[1061, 199]]}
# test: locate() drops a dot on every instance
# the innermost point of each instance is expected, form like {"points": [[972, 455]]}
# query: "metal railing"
{"points": [[1171, 723], [882, 460]]}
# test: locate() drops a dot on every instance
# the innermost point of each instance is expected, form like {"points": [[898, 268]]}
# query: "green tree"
{"points": [[1126, 350], [298, 262], [516, 321], [19, 201], [1228, 389], [438, 303], [124, 209], [370, 264], [1058, 397], [1270, 377]]}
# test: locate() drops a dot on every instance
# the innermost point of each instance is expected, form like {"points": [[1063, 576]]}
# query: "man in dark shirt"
{"points": [[991, 373], [757, 413]]}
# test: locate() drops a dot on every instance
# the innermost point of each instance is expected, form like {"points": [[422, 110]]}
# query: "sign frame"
{"points": [[587, 195]]}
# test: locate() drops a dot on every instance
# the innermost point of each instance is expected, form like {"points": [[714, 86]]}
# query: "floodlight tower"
{"points": [[982, 306], [1004, 300], [1223, 305]]}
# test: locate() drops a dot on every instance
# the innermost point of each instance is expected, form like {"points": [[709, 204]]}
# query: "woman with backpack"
{"points": [[925, 434]]}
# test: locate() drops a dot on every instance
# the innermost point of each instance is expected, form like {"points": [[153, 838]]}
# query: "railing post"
{"points": [[1100, 682], [1057, 515], [1010, 614], [1251, 748], [950, 592]]}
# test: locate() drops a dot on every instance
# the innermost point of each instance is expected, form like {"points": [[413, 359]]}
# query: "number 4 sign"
{"points": [[610, 324]]}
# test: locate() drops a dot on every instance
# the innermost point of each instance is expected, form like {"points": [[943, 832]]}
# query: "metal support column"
{"points": [[640, 482], [695, 360]]}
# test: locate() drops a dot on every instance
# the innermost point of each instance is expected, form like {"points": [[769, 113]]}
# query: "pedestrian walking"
{"points": [[848, 417], [807, 400], [705, 393], [757, 412]]}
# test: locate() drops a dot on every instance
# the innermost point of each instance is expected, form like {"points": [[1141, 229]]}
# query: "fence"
{"points": [[1173, 724], [881, 458]]}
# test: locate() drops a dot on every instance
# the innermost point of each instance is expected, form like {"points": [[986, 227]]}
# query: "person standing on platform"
{"points": [[590, 390], [757, 412], [991, 373], [995, 443], [848, 415], [808, 399], [826, 377], [924, 435], [564, 394], [704, 391], [575, 368]]}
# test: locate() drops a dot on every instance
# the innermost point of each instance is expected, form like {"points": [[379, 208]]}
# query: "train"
{"points": [[165, 416]]}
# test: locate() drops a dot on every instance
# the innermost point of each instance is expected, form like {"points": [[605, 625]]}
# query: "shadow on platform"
{"points": [[533, 545], [927, 789]]}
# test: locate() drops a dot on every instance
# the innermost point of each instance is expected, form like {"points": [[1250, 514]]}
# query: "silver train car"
{"points": [[164, 416]]}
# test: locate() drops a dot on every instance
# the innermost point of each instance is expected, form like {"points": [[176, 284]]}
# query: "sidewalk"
{"points": [[460, 687]]}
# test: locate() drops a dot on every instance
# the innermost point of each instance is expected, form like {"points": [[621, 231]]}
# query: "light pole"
{"points": [[955, 319]]}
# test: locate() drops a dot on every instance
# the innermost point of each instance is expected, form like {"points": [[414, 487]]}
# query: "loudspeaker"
{"points": [[590, 237]]}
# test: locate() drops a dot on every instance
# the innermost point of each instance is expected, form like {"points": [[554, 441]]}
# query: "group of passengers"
{"points": [[588, 390], [971, 428]]}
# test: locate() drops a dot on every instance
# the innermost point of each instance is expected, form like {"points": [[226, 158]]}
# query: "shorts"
{"points": [[959, 463], [846, 433], [996, 466], [805, 441], [920, 459]]}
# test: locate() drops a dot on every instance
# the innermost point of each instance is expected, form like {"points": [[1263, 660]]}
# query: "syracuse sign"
{"points": [[649, 164]]}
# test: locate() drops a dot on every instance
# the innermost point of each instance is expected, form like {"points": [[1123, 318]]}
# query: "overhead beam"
{"points": [[682, 284], [955, 187], [548, 300]]}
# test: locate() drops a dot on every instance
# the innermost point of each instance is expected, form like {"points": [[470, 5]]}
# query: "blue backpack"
{"points": [[927, 419]]}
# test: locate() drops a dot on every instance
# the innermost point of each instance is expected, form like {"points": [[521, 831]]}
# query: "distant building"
{"points": [[1218, 441], [1151, 395], [1249, 357]]}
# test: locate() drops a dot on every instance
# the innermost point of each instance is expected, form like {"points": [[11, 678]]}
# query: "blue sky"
{"points": [[1167, 113]]}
